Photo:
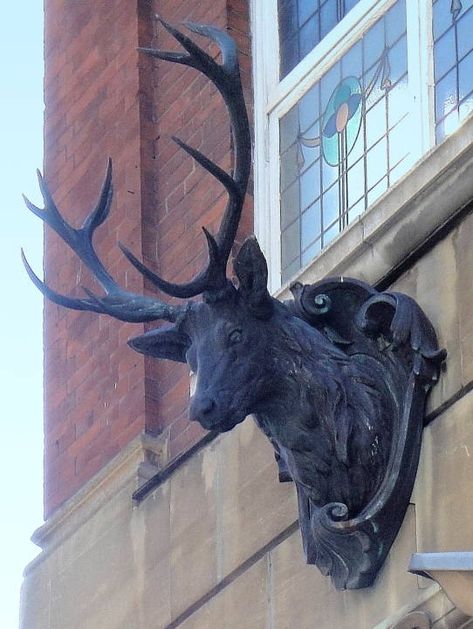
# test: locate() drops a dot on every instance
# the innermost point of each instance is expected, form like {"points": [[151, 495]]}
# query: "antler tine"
{"points": [[117, 302], [133, 308], [212, 277], [197, 58], [226, 77], [232, 93], [80, 240], [210, 166], [223, 40], [102, 208], [57, 298], [121, 305]]}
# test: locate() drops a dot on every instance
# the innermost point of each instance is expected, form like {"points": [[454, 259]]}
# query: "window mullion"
{"points": [[273, 230], [265, 72], [427, 41], [420, 61]]}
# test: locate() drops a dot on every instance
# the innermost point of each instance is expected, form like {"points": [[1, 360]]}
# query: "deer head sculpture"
{"points": [[336, 378]]}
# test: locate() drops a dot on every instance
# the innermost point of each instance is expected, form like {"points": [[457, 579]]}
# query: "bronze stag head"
{"points": [[336, 378]]}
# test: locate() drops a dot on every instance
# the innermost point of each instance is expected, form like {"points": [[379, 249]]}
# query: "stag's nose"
{"points": [[201, 409]]}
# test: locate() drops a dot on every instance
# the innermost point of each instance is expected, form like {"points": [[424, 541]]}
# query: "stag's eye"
{"points": [[235, 336]]}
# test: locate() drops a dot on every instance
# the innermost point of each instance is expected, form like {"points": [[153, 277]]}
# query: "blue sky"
{"points": [[21, 117]]}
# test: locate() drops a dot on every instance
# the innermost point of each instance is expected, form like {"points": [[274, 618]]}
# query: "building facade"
{"points": [[363, 163]]}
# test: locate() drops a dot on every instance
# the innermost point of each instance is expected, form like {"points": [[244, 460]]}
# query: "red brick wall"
{"points": [[102, 99]]}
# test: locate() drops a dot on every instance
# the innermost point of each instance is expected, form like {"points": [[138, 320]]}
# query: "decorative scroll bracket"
{"points": [[392, 330]]}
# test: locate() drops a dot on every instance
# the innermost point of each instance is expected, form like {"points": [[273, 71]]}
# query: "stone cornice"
{"points": [[122, 471]]}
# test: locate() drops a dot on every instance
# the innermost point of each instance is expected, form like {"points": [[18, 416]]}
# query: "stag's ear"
{"points": [[165, 342], [252, 273]]}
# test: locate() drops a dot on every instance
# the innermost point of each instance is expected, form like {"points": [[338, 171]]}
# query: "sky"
{"points": [[21, 414]]}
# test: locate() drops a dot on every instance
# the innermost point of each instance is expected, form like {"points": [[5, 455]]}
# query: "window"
{"points": [[348, 96], [344, 142]]}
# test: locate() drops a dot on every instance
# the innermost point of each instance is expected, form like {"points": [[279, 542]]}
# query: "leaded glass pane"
{"points": [[453, 63], [377, 191], [356, 209], [373, 43], [465, 77], [309, 254], [347, 137], [465, 34], [394, 23], [375, 122], [397, 142], [376, 163], [308, 109], [310, 185], [443, 60], [398, 102], [330, 201], [290, 204], [328, 17], [466, 108], [446, 95], [356, 182], [303, 23], [290, 243], [310, 225]]}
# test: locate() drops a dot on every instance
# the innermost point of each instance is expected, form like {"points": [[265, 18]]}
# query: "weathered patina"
{"points": [[336, 377]]}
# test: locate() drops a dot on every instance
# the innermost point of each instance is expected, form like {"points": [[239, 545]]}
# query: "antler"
{"points": [[226, 77], [117, 302], [123, 304]]}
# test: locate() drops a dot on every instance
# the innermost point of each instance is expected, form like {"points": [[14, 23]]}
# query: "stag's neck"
{"points": [[320, 419], [307, 378]]}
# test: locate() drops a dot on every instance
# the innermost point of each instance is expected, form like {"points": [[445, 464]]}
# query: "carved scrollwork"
{"points": [[392, 330]]}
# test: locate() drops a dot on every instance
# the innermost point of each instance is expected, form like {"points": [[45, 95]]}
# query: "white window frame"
{"points": [[273, 98]]}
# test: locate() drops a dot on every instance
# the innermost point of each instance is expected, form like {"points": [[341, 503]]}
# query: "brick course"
{"points": [[103, 98]]}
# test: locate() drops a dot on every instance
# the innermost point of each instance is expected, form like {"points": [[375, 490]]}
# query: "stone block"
{"points": [[437, 294], [151, 536], [443, 486], [35, 600], [464, 254], [111, 570], [253, 505], [243, 604], [432, 283], [193, 526], [121, 577]]}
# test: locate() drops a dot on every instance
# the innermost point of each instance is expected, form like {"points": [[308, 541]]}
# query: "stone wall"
{"points": [[217, 545]]}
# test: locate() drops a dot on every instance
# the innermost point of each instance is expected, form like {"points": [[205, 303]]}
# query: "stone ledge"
{"points": [[122, 470]]}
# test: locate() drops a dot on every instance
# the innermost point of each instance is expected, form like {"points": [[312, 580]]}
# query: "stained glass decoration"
{"points": [[453, 64], [303, 23], [455, 8], [344, 142], [342, 121]]}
